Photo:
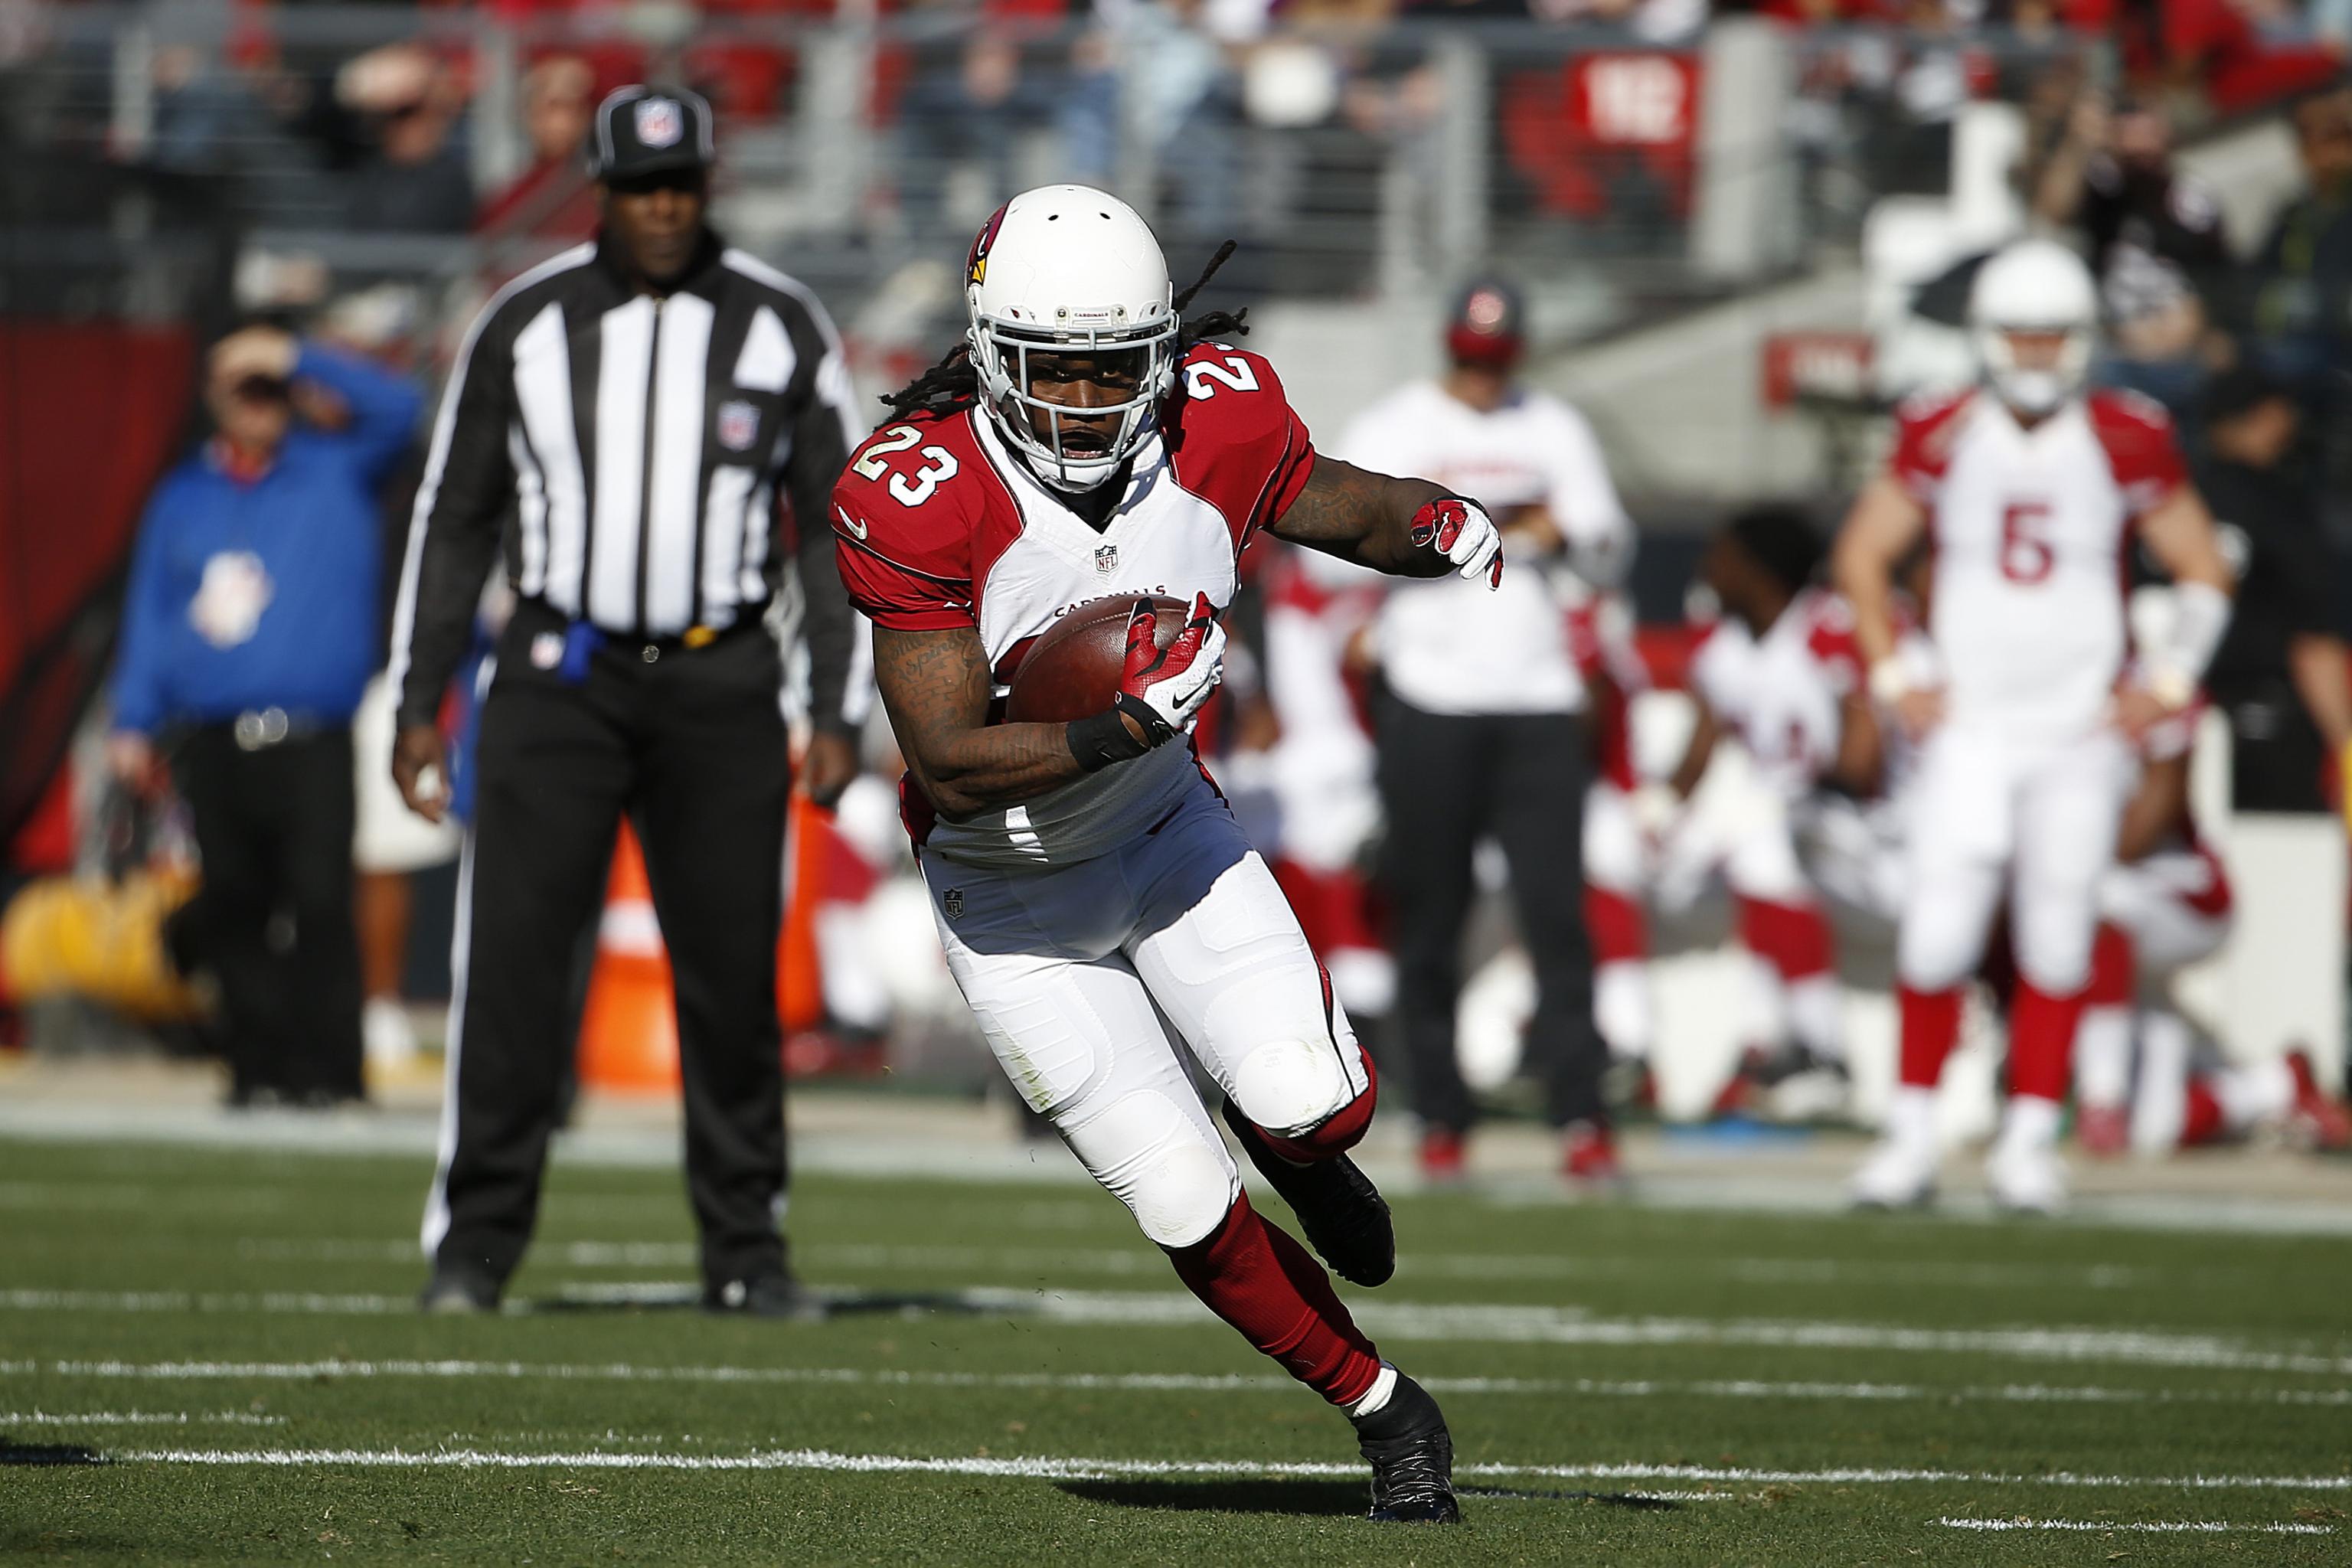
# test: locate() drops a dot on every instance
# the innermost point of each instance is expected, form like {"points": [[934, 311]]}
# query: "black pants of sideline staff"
{"points": [[271, 920], [1445, 782], [690, 744]]}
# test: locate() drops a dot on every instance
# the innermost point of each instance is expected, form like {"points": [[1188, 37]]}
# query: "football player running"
{"points": [[1085, 441], [2035, 486]]}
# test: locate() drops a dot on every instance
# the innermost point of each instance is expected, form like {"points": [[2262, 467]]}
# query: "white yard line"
{"points": [[135, 1418], [1399, 1321], [1148, 1263], [965, 1157], [1200, 1383], [1047, 1468], [2150, 1527]]}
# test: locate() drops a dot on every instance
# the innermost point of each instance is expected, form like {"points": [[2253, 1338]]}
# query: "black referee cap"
{"points": [[645, 130]]}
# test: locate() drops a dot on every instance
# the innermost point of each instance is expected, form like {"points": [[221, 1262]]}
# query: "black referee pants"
{"points": [[1445, 781], [690, 744]]}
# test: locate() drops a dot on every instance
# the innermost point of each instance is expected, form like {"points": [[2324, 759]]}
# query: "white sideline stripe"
{"points": [[1148, 1263], [1197, 1383], [135, 1418], [1045, 1468], [2162, 1527], [1456, 1323]]}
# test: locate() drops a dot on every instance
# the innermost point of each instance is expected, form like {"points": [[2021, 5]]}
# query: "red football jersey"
{"points": [[939, 525]]}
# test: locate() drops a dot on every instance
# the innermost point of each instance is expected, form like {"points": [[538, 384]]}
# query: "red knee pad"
{"points": [[1793, 938], [1339, 1133], [1619, 930], [2112, 967], [1931, 1027]]}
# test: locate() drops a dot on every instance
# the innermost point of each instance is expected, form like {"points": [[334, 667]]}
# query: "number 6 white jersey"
{"points": [[940, 526], [2028, 528]]}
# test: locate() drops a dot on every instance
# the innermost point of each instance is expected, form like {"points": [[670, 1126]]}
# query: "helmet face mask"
{"points": [[2033, 315], [2034, 370], [1073, 331], [1035, 389]]}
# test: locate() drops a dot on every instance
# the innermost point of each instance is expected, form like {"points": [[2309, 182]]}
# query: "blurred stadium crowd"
{"points": [[355, 181]]}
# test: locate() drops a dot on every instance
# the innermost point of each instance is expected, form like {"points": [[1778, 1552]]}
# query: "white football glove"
{"points": [[1459, 529]]}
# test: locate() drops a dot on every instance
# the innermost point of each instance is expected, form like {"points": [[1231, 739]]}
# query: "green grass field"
{"points": [[1017, 1377]]}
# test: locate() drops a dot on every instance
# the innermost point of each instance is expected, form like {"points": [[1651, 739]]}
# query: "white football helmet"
{"points": [[2034, 286], [1068, 270]]}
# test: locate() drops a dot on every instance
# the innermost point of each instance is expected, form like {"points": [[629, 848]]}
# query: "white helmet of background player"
{"points": [[1068, 270], [2034, 286]]}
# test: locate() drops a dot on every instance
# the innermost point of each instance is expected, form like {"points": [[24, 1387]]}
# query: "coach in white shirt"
{"points": [[1480, 725]]}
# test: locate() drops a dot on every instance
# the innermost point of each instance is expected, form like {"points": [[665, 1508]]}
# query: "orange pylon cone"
{"points": [[628, 1031], [800, 986]]}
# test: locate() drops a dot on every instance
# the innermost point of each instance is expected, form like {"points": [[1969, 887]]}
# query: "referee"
{"points": [[661, 418]]}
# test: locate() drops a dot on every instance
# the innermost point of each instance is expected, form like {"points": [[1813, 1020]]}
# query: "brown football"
{"points": [[1072, 671]]}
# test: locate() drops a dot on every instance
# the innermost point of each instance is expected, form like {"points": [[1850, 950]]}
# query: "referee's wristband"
{"points": [[1103, 739]]}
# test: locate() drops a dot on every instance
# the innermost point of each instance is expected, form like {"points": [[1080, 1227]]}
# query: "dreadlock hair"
{"points": [[953, 384]]}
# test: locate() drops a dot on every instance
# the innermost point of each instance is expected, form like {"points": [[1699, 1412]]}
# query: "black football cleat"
{"points": [[1411, 1456], [1344, 1216], [772, 1293], [455, 1293]]}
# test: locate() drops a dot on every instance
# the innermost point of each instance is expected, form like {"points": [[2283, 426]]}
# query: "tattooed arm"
{"points": [[935, 686], [1363, 517]]}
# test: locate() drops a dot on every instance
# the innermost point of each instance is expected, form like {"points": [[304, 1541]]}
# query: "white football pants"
{"points": [[2042, 813], [1063, 966]]}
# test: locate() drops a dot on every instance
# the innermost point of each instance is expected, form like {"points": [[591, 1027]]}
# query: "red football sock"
{"points": [[1254, 1277], [1616, 925], [1931, 1027], [1793, 939], [2201, 1120], [2041, 1040], [2112, 969]]}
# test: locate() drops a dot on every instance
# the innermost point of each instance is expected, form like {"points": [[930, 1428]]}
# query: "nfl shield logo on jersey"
{"points": [[952, 902], [739, 425], [1107, 560], [659, 122]]}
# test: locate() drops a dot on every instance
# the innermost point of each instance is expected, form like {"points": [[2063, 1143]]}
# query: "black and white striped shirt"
{"points": [[641, 446]]}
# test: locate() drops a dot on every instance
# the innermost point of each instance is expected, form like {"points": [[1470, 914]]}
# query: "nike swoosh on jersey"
{"points": [[855, 529]]}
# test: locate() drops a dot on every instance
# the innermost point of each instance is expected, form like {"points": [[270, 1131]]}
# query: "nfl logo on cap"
{"points": [[739, 425], [660, 121]]}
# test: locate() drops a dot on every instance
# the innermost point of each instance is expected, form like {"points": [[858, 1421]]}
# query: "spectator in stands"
{"points": [[2112, 171], [969, 101], [2282, 674], [248, 632], [552, 198], [415, 179], [2302, 277]]}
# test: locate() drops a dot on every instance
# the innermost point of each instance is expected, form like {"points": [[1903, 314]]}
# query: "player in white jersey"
{"points": [[1087, 878], [1780, 671], [1481, 705], [2031, 489], [2167, 905]]}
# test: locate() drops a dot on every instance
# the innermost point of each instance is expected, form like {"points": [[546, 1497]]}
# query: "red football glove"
{"points": [[1164, 689], [1460, 530]]}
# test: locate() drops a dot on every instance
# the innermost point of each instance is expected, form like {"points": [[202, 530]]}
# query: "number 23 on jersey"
{"points": [[908, 489]]}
